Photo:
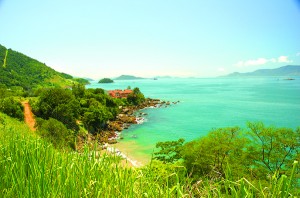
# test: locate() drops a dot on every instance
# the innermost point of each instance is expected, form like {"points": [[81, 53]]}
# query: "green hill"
{"points": [[288, 70], [106, 80], [128, 77], [17, 69]]}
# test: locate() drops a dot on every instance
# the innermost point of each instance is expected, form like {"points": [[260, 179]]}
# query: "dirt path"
{"points": [[4, 61], [28, 115]]}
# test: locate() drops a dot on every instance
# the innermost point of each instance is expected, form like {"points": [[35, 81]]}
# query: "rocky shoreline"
{"points": [[129, 115]]}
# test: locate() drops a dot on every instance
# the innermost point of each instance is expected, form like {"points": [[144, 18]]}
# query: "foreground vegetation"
{"points": [[32, 167]]}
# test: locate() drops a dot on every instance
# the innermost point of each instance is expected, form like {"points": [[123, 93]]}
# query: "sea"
{"points": [[206, 104]]}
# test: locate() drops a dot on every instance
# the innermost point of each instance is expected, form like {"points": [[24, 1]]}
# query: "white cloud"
{"points": [[263, 61], [259, 61], [283, 59]]}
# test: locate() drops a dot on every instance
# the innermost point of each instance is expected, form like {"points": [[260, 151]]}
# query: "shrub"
{"points": [[12, 107], [55, 132]]}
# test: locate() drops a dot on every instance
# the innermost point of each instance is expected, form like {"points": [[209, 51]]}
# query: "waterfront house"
{"points": [[118, 93]]}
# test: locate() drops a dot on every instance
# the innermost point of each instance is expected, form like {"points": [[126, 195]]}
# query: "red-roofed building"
{"points": [[118, 93]]}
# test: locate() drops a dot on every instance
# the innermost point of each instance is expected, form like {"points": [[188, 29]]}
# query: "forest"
{"points": [[23, 72]]}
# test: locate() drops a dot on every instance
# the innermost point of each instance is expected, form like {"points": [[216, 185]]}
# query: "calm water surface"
{"points": [[205, 104]]}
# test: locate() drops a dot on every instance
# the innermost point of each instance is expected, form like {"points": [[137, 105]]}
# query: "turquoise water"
{"points": [[209, 103]]}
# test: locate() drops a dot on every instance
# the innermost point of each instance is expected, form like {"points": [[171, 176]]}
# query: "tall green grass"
{"points": [[31, 167]]}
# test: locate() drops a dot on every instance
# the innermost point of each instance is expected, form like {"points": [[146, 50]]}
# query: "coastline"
{"points": [[128, 116]]}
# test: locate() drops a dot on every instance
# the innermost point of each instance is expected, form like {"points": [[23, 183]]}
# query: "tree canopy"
{"points": [[17, 69], [106, 80]]}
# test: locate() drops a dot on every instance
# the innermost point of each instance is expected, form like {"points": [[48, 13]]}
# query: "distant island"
{"points": [[128, 77], [288, 70], [106, 80]]}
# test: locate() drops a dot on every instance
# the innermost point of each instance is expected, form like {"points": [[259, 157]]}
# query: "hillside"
{"points": [[17, 69], [288, 71], [128, 77]]}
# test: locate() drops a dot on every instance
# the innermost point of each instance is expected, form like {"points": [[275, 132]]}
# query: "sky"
{"points": [[147, 38]]}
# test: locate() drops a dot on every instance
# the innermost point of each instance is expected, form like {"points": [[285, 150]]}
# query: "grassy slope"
{"points": [[30, 167]]}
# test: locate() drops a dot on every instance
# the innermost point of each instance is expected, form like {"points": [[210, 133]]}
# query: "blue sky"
{"points": [[96, 38]]}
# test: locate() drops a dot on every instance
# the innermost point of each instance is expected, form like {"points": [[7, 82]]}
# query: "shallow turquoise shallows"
{"points": [[208, 103]]}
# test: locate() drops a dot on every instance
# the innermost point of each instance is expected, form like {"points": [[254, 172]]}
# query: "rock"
{"points": [[112, 141]]}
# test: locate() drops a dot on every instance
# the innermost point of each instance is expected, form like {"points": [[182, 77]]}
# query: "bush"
{"points": [[12, 107], [55, 132], [136, 97]]}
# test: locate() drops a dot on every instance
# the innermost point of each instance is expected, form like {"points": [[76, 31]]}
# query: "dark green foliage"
{"points": [[96, 117], [55, 132], [78, 90], [209, 155], [12, 107], [21, 70], [136, 97], [93, 106], [273, 149], [106, 80], [59, 104], [2, 55], [256, 154], [67, 76], [82, 81], [170, 151], [4, 92]]}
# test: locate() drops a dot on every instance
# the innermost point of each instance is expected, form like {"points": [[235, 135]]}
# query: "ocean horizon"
{"points": [[205, 104]]}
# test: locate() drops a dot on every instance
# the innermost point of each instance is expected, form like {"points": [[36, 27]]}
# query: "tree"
{"points": [[169, 151], [59, 104], [136, 97], [55, 132], [12, 107], [96, 116], [272, 149], [209, 156], [78, 90]]}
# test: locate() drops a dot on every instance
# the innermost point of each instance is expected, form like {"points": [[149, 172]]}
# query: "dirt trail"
{"points": [[28, 115], [4, 61]]}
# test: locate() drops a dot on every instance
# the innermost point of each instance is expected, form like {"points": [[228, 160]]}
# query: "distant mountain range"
{"points": [[288, 71], [128, 77]]}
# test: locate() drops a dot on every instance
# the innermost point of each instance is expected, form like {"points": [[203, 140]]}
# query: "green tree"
{"points": [[209, 155], [170, 151], [55, 132], [78, 90], [59, 104], [136, 97], [272, 149], [12, 107], [96, 116]]}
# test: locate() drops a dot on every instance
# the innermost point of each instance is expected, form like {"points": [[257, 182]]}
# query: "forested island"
{"points": [[128, 77], [105, 80], [64, 157]]}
